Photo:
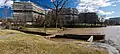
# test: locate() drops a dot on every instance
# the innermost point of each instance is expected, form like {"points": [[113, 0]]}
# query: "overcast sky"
{"points": [[110, 8]]}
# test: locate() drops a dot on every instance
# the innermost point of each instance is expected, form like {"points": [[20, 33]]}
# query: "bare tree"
{"points": [[59, 4]]}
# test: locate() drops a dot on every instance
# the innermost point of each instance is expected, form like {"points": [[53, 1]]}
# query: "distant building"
{"points": [[71, 17], [67, 16], [90, 18], [114, 21], [27, 12], [0, 21], [106, 22]]}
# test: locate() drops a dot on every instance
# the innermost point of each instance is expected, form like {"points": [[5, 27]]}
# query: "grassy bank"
{"points": [[5, 32], [22, 43]]}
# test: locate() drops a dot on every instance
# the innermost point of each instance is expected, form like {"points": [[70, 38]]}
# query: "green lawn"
{"points": [[23, 43]]}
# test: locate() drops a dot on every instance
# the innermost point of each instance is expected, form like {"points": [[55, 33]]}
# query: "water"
{"points": [[112, 36], [112, 33], [111, 49], [112, 39]]}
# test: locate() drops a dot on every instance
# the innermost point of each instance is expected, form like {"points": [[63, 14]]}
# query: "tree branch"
{"points": [[62, 6], [54, 4], [47, 7], [60, 2]]}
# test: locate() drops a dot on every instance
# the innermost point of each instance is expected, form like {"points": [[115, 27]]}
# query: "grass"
{"points": [[23, 43], [5, 32]]}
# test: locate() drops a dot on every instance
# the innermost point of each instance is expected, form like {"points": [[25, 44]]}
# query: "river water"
{"points": [[112, 33], [112, 39], [112, 36]]}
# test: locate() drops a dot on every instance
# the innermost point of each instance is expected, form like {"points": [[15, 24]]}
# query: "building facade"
{"points": [[69, 16], [72, 17], [114, 21], [66, 17], [27, 13], [89, 18]]}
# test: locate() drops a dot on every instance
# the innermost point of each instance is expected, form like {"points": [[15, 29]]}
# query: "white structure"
{"points": [[27, 12], [0, 21]]}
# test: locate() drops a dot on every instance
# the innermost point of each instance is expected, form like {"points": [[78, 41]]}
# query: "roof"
{"points": [[116, 18]]}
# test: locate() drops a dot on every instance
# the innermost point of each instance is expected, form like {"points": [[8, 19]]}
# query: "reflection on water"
{"points": [[113, 33], [112, 36]]}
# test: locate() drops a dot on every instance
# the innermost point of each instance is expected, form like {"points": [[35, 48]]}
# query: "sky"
{"points": [[107, 8]]}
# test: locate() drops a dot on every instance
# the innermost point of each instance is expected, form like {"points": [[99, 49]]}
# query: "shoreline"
{"points": [[110, 49]]}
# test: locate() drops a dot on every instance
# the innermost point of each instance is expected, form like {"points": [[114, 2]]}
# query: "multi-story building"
{"points": [[27, 13], [89, 18], [67, 16], [114, 21]]}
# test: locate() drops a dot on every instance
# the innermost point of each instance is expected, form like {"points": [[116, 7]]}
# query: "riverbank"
{"points": [[22, 43], [111, 49]]}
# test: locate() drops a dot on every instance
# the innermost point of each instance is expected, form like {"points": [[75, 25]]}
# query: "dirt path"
{"points": [[5, 37]]}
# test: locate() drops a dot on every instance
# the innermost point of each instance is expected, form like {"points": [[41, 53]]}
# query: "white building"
{"points": [[27, 12]]}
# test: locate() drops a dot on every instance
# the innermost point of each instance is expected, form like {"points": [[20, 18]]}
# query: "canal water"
{"points": [[112, 33], [112, 36]]}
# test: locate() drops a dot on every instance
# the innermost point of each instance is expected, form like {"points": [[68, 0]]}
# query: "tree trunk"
{"points": [[56, 18]]}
